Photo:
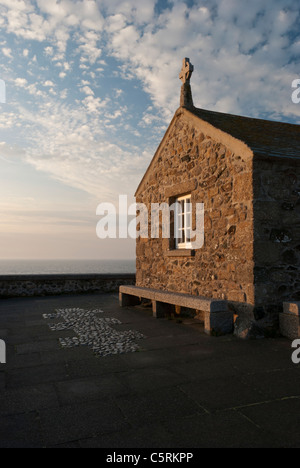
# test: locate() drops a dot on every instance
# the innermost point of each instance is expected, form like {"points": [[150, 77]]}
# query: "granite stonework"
{"points": [[191, 161], [251, 196], [218, 320], [176, 299], [289, 320], [276, 234], [48, 285], [289, 326]]}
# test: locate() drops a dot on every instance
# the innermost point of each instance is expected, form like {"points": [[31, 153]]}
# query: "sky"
{"points": [[91, 86]]}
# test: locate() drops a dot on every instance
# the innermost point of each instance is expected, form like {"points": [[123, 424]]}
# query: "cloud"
{"points": [[87, 90], [69, 143], [21, 82], [9, 152], [92, 85], [245, 56], [133, 11], [94, 105], [49, 51], [48, 84], [7, 52], [53, 21], [241, 53], [8, 120], [88, 47]]}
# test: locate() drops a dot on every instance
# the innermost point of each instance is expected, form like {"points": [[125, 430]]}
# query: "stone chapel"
{"points": [[246, 172]]}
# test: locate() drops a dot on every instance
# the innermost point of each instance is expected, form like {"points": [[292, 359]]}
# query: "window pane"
{"points": [[183, 221], [181, 237], [188, 206], [180, 222], [188, 221]]}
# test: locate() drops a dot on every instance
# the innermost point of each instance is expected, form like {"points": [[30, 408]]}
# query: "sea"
{"points": [[52, 267]]}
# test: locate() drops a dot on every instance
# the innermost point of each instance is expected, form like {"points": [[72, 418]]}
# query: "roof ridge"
{"points": [[196, 109]]}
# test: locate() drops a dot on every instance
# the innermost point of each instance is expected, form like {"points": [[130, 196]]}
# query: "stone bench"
{"points": [[289, 320], [217, 318]]}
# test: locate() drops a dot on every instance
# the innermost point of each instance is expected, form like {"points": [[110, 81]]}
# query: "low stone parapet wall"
{"points": [[50, 285]]}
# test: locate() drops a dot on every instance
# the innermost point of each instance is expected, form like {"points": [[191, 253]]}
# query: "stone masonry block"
{"points": [[289, 326], [292, 308], [218, 323]]}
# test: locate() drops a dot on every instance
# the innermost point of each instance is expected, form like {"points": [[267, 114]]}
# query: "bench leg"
{"points": [[127, 300], [161, 309], [200, 315]]}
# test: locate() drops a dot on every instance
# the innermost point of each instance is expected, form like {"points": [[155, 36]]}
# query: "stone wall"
{"points": [[277, 235], [191, 160], [48, 285]]}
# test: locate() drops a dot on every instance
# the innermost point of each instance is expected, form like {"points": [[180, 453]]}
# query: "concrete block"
{"points": [[218, 323], [289, 326]]}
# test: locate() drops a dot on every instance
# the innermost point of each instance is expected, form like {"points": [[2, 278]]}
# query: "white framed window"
{"points": [[183, 222]]}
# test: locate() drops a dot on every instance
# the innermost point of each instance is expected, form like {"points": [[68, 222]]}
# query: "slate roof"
{"points": [[262, 136]]}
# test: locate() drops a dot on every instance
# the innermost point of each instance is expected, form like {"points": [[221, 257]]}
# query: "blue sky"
{"points": [[91, 88]]}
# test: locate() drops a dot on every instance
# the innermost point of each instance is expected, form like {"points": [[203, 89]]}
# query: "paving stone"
{"points": [[76, 391], [80, 421], [95, 366], [37, 346], [67, 445], [53, 397], [160, 405], [2, 380], [275, 357], [151, 358], [227, 429], [276, 384], [64, 355], [36, 375], [281, 418], [28, 399], [169, 341], [151, 379], [21, 431], [222, 393], [21, 361], [198, 370], [144, 436]]}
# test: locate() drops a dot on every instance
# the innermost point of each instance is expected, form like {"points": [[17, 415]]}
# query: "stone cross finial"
{"points": [[186, 71]]}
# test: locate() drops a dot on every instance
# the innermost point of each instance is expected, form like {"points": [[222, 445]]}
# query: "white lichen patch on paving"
{"points": [[94, 331]]}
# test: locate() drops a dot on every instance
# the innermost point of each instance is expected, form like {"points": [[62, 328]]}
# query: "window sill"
{"points": [[180, 253]]}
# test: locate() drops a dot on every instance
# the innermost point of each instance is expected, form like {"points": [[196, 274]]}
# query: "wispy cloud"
{"points": [[92, 84]]}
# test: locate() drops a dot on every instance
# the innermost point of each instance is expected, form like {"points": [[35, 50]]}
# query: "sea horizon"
{"points": [[67, 266]]}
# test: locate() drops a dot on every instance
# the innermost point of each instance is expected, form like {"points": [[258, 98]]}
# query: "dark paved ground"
{"points": [[183, 389]]}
